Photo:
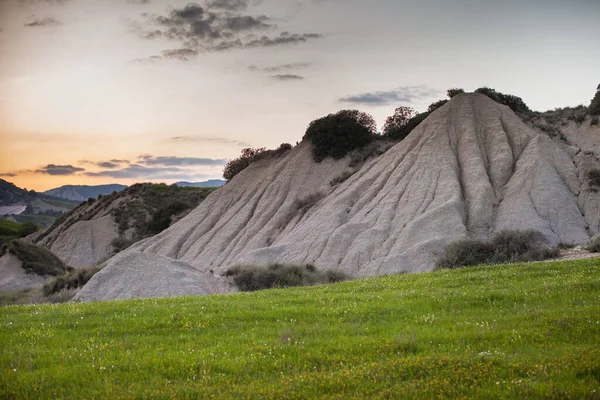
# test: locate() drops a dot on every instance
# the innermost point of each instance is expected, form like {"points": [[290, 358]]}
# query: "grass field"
{"points": [[516, 331]]}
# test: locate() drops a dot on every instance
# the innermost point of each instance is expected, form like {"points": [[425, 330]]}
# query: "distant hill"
{"points": [[210, 183], [82, 192], [41, 208], [10, 194]]}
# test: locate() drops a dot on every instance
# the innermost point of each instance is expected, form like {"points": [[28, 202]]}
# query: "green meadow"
{"points": [[512, 331]]}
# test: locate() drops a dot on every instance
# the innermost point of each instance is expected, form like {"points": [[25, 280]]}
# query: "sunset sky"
{"points": [[124, 91]]}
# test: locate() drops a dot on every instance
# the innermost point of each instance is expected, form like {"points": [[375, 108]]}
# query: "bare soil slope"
{"points": [[472, 168]]}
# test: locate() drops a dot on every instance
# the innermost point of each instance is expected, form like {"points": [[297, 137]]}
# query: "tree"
{"points": [[235, 166], [454, 92], [395, 124], [337, 134], [594, 107], [436, 105]]}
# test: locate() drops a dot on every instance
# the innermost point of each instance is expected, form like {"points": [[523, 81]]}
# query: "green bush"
{"points": [[594, 247], [515, 103], [398, 131], [248, 156], [250, 278], [72, 280], [593, 176], [594, 121], [237, 165], [434, 106], [594, 108], [337, 134], [37, 259], [505, 247], [454, 92]]}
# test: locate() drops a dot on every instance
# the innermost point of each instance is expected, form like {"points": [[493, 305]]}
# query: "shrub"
{"points": [[594, 121], [37, 259], [237, 165], [505, 246], [593, 176], [399, 132], [594, 108], [397, 122], [341, 178], [454, 92], [73, 280], [434, 106], [161, 219], [27, 228], [594, 247], [120, 243], [466, 252], [251, 278], [337, 134], [515, 103], [580, 117]]}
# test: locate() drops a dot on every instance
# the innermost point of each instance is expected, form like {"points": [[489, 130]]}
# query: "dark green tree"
{"points": [[337, 134]]}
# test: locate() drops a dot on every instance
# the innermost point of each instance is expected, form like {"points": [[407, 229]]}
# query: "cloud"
{"points": [[180, 54], [287, 77], [114, 163], [137, 171], [138, 1], [39, 22], [184, 161], [405, 94], [52, 169], [108, 164], [281, 68], [203, 139], [34, 2], [231, 5], [219, 25], [8, 174]]}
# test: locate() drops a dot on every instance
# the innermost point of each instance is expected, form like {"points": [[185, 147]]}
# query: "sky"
{"points": [[125, 91]]}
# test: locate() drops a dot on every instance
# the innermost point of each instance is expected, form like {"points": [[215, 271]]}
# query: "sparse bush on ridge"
{"points": [[248, 156], [400, 131], [594, 108], [514, 102], [505, 247], [337, 134], [237, 165], [454, 92], [434, 106], [250, 278]]}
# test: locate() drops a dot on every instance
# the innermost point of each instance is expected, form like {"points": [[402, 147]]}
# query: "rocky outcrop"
{"points": [[472, 168]]}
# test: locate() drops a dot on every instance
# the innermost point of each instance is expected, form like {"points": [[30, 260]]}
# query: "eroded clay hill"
{"points": [[96, 230], [471, 168]]}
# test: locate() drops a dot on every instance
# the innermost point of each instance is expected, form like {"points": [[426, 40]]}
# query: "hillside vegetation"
{"points": [[10, 230], [140, 211], [516, 331]]}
